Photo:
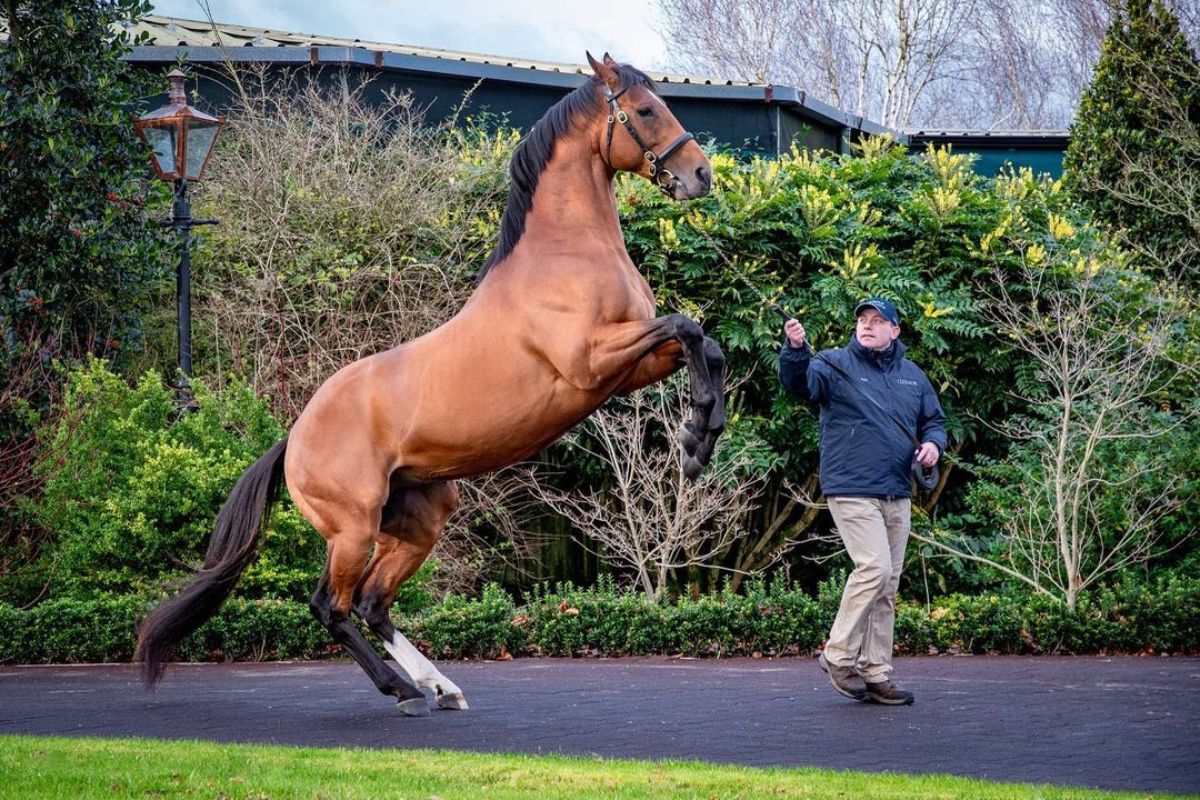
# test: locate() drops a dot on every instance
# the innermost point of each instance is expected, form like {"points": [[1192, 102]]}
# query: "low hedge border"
{"points": [[1156, 617]]}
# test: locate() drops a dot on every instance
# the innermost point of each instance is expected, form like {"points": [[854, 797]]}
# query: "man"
{"points": [[866, 475]]}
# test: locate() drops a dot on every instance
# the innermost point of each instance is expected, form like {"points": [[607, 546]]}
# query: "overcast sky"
{"points": [[551, 30]]}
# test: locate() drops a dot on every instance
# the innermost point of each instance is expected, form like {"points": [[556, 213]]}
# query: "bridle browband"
{"points": [[663, 178]]}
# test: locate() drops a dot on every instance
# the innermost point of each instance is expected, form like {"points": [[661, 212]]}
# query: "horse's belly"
{"points": [[466, 439]]}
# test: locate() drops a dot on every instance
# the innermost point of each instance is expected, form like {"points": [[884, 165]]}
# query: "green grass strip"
{"points": [[33, 768]]}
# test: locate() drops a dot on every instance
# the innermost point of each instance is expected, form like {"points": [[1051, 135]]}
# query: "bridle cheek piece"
{"points": [[662, 177]]}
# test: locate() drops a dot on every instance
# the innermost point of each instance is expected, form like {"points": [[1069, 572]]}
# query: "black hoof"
{"points": [[688, 439]]}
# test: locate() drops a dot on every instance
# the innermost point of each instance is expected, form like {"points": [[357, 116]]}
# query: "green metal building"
{"points": [[757, 117]]}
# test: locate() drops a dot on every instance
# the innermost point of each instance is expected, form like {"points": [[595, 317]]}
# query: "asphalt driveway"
{"points": [[1114, 723]]}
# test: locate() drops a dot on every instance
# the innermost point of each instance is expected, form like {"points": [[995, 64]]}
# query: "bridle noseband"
{"points": [[663, 178]]}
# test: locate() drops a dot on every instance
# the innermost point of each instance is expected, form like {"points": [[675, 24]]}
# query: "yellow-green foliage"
{"points": [[816, 233]]}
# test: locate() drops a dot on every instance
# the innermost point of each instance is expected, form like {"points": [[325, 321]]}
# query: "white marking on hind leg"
{"points": [[424, 673]]}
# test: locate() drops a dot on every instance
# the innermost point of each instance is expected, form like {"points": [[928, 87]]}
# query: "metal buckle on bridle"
{"points": [[663, 178]]}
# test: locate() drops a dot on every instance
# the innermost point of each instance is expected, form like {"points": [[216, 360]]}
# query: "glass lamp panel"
{"points": [[161, 139], [200, 138]]}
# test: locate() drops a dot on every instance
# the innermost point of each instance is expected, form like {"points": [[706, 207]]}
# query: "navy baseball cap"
{"points": [[886, 309]]}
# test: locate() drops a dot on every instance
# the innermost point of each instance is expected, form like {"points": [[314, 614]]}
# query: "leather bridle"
{"points": [[662, 177]]}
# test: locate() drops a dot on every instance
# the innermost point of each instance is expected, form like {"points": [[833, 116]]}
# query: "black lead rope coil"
{"points": [[926, 477]]}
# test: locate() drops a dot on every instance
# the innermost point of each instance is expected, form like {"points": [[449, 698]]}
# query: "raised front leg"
{"points": [[700, 442], [663, 346]]}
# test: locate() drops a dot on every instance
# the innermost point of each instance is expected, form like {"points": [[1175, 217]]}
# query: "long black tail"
{"points": [[232, 548]]}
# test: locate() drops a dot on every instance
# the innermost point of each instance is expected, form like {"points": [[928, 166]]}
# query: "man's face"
{"points": [[875, 332]]}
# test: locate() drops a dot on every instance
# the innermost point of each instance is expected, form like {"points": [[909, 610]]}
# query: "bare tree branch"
{"points": [[650, 520], [1100, 368], [977, 64]]}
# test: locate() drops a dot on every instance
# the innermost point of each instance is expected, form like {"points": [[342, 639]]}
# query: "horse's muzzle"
{"points": [[679, 187]]}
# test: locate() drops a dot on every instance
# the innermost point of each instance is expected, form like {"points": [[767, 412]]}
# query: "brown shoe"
{"points": [[888, 694], [845, 680]]}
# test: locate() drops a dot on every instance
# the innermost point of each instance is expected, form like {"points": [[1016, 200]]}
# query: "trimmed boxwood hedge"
{"points": [[775, 620]]}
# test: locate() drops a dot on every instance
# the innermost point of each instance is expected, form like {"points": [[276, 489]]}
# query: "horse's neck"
{"points": [[574, 202]]}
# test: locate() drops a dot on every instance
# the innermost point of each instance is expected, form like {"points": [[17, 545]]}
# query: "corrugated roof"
{"points": [[176, 32], [207, 40]]}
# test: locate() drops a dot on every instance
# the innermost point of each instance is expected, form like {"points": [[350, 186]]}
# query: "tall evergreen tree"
{"points": [[1134, 154], [77, 253], [73, 235]]}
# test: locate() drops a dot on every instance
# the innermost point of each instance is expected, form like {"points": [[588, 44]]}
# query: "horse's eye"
{"points": [[645, 111]]}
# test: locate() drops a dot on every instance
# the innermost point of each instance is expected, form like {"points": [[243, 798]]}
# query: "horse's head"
{"points": [[642, 135]]}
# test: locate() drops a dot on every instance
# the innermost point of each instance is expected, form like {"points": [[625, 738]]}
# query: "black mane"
{"points": [[535, 149]]}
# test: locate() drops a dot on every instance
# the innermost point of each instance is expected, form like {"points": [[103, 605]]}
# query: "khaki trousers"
{"points": [[875, 533]]}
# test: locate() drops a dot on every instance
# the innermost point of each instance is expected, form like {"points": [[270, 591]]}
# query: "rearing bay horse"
{"points": [[560, 321]]}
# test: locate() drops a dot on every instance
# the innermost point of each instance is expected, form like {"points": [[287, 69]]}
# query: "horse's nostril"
{"points": [[705, 176]]}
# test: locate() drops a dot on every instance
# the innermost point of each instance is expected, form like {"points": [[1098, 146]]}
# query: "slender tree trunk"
{"points": [[647, 584], [1074, 587], [14, 22], [694, 577]]}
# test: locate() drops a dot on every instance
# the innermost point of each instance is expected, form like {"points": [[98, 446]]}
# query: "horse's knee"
{"points": [[687, 330]]}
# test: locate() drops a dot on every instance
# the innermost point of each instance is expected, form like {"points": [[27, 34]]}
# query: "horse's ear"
{"points": [[609, 60], [604, 71]]}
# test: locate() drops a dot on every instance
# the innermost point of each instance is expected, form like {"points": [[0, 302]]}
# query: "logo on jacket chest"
{"points": [[906, 382]]}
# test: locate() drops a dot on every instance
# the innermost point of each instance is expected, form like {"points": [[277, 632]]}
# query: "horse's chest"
{"points": [[636, 298], [641, 308]]}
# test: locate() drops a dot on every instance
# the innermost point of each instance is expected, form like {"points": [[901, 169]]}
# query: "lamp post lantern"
{"points": [[181, 139]]}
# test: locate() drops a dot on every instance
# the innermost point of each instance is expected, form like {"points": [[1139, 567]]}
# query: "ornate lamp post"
{"points": [[181, 138]]}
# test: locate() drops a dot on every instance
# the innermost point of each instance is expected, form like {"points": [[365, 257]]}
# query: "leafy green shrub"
{"points": [[979, 623], [462, 628], [78, 256], [570, 621], [266, 629], [816, 232], [14, 646], [131, 496], [69, 631], [775, 620], [80, 260], [772, 618]]}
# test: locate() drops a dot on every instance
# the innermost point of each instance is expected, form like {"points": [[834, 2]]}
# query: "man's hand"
{"points": [[794, 332], [929, 454]]}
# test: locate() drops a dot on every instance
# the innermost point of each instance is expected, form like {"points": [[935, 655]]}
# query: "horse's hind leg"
{"points": [[412, 524], [331, 605]]}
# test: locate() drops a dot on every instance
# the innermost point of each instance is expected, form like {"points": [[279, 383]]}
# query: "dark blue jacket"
{"points": [[863, 451]]}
